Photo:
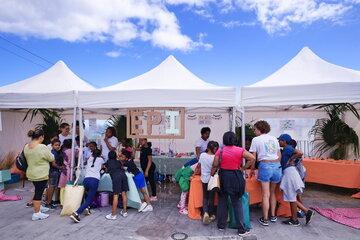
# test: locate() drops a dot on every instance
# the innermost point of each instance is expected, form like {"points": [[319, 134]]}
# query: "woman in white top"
{"points": [[266, 150], [109, 143], [64, 132], [205, 162], [91, 183]]}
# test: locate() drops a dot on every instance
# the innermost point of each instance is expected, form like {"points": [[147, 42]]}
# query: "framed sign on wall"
{"points": [[156, 123]]}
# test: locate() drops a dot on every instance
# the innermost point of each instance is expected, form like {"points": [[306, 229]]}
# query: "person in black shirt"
{"points": [[148, 166], [126, 157], [119, 183]]}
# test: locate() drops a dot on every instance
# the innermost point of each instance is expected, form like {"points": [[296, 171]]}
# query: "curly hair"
{"points": [[262, 126]]}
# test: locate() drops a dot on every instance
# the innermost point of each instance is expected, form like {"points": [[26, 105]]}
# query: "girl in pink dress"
{"points": [[65, 175]]}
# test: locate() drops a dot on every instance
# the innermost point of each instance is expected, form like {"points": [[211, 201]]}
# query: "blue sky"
{"points": [[228, 42]]}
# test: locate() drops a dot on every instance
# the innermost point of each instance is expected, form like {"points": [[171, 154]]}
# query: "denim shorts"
{"points": [[54, 177], [269, 172]]}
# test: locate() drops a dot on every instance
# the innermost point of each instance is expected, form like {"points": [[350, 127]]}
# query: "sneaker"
{"points": [[273, 218], [148, 208], [44, 209], [87, 211], [212, 218], [111, 217], [39, 216], [263, 222], [51, 206], [221, 229], [29, 204], [75, 217], [300, 214], [309, 214], [291, 222], [183, 211], [123, 213], [206, 219], [243, 232], [153, 198], [142, 207]]}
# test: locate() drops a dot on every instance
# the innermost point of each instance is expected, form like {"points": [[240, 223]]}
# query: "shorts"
{"points": [[269, 172], [54, 177], [139, 180], [39, 189], [119, 183], [291, 184]]}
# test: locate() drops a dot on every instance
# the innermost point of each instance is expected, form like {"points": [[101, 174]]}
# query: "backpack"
{"points": [[21, 162]]}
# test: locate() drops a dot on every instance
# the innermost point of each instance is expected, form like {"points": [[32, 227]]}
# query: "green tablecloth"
{"points": [[169, 165]]}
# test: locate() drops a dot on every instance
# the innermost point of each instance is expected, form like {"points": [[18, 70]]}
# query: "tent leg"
{"points": [[243, 128], [233, 119], [81, 139], [73, 144]]}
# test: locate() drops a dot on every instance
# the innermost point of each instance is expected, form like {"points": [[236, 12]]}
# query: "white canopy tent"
{"points": [[57, 87], [54, 88], [169, 84], [305, 79]]}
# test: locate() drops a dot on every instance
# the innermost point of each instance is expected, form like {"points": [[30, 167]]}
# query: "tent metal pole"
{"points": [[233, 119], [81, 139], [73, 144], [243, 127]]}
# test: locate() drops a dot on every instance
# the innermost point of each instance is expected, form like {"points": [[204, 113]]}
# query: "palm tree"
{"points": [[51, 120], [332, 134]]}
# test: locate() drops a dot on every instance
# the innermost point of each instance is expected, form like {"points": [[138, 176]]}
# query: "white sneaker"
{"points": [[142, 207], [153, 198], [123, 213], [39, 216], [44, 209], [111, 217], [148, 208]]}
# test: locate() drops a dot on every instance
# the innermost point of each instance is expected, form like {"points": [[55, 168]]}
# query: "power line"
{"points": [[24, 58], [34, 54]]}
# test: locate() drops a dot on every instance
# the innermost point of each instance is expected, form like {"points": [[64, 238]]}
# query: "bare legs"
{"points": [[268, 199]]}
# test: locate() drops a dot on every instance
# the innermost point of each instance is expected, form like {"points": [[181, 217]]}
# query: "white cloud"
{"points": [[201, 43], [235, 23], [97, 20], [113, 54], [189, 2]]}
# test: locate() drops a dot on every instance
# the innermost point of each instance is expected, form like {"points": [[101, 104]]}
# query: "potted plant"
{"points": [[333, 135]]}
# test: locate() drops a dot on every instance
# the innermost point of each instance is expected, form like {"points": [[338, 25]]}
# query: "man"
{"points": [[201, 144]]}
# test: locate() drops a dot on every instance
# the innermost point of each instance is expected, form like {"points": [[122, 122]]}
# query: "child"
{"points": [[148, 166], [291, 183], [205, 164], [64, 132], [120, 185], [91, 184], [139, 179], [65, 173], [54, 173]]}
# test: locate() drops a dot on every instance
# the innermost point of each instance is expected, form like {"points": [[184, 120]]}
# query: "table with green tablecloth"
{"points": [[169, 165]]}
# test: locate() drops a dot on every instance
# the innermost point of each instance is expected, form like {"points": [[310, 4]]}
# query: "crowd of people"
{"points": [[274, 161], [277, 161], [49, 168]]}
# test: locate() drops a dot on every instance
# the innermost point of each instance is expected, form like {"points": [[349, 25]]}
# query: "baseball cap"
{"points": [[285, 137]]}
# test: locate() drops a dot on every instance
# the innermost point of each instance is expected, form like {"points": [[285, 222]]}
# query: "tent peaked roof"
{"points": [[306, 68], [58, 78], [170, 74]]}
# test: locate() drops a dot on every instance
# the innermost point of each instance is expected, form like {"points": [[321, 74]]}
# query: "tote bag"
{"points": [[73, 195]]}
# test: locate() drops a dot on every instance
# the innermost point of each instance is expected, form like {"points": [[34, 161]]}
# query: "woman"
{"points": [[206, 161], [266, 149], [38, 157], [148, 166], [64, 132], [91, 183], [229, 161], [109, 143]]}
